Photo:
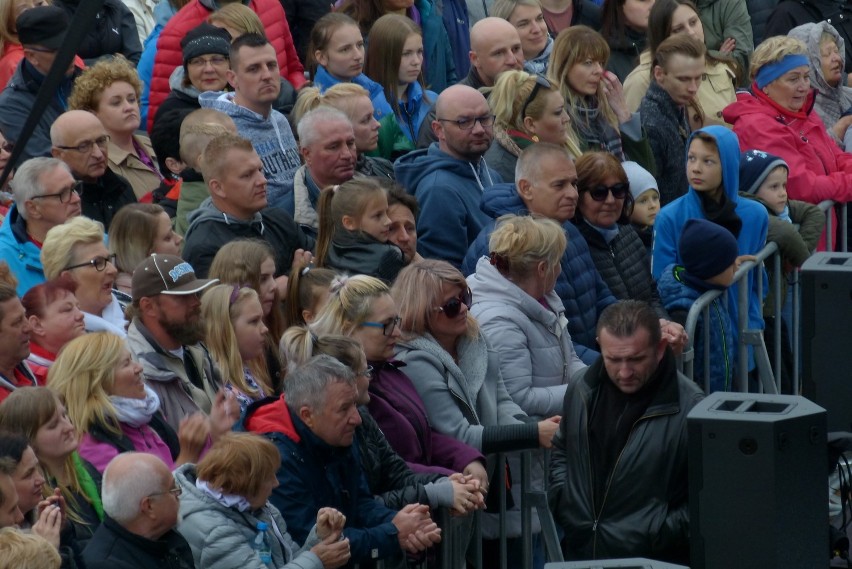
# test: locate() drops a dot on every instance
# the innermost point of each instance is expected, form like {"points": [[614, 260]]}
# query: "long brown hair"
{"points": [[384, 54]]}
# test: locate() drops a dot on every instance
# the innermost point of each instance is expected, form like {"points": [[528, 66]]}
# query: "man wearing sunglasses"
{"points": [[449, 178], [46, 195], [80, 140]]}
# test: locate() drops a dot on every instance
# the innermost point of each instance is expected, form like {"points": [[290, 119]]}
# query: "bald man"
{"points": [[141, 502], [80, 140], [449, 178]]}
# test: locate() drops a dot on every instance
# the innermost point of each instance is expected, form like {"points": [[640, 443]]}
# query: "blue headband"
{"points": [[772, 71]]}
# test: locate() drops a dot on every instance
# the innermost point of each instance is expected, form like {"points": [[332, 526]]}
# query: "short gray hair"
{"points": [[27, 181], [307, 127], [122, 493], [529, 162], [307, 385]]}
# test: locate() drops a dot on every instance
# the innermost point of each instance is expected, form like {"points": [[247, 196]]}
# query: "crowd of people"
{"points": [[281, 280]]}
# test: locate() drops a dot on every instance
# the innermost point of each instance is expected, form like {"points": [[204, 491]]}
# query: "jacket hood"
{"points": [[223, 101], [489, 286], [729, 154], [209, 212], [271, 417], [176, 83], [501, 199], [414, 166], [811, 35]]}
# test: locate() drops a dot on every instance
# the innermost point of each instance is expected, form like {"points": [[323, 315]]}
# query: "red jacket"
{"points": [[169, 54]]}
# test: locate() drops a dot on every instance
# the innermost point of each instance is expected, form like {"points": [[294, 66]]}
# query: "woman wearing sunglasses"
{"points": [[457, 375], [76, 248], [603, 218], [527, 109]]}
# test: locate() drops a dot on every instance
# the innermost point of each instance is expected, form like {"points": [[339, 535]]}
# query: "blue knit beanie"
{"points": [[755, 166], [706, 248]]}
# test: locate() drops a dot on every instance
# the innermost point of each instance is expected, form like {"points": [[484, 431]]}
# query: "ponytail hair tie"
{"points": [[499, 261]]}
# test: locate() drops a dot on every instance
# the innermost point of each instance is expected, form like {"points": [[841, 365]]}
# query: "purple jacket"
{"points": [[399, 411], [144, 439]]}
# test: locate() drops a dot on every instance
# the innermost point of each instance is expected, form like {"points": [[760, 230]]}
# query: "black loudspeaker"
{"points": [[826, 280], [758, 482], [633, 563]]}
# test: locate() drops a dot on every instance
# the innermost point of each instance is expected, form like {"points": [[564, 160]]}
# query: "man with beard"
{"points": [[165, 336], [449, 178]]}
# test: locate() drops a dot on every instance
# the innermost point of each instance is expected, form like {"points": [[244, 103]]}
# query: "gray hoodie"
{"points": [[272, 140]]}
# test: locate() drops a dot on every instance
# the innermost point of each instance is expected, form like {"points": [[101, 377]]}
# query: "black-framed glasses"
{"points": [[467, 123], [540, 81], [367, 372], [176, 491], [618, 191], [387, 327], [86, 146], [99, 263], [452, 307], [65, 195]]}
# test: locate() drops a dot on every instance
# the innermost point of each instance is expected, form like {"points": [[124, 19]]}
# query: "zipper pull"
{"points": [[595, 526]]}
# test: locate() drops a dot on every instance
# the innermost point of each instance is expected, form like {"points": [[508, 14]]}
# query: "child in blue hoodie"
{"points": [[712, 169], [708, 255]]}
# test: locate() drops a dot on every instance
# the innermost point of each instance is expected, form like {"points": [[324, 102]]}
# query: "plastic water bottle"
{"points": [[261, 545]]}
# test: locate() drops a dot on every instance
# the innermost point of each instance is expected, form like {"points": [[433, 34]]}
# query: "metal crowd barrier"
{"points": [[769, 382]]}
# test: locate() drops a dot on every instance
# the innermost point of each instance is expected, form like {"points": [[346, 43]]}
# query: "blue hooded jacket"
{"points": [[21, 254], [381, 107], [449, 191], [579, 286], [752, 237]]}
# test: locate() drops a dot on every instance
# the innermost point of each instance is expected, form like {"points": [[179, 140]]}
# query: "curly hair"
{"points": [[90, 85]]}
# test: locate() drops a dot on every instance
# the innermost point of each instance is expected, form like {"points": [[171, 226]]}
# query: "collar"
{"points": [[787, 114], [667, 398], [159, 548]]}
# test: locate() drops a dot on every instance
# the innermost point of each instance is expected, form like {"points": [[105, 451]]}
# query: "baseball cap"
{"points": [[166, 274]]}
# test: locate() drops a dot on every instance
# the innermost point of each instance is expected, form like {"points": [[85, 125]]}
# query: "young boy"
{"points": [[794, 225], [712, 168], [708, 254], [646, 202]]}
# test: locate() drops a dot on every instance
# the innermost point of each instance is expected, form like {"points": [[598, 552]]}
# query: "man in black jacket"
{"points": [[619, 468], [237, 208], [80, 140], [141, 503]]}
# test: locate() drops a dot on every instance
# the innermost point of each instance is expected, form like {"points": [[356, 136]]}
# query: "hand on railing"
{"points": [[674, 335], [467, 495], [546, 430], [416, 530]]}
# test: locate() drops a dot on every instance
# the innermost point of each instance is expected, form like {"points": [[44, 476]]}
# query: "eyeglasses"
{"points": [[65, 195], [99, 263], [387, 327], [87, 146], [201, 62], [452, 307], [176, 491], [367, 372], [539, 83], [467, 124], [618, 191]]}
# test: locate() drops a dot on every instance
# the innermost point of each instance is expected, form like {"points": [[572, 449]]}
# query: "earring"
{"points": [[535, 138]]}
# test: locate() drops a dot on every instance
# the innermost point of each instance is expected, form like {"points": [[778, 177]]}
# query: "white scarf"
{"points": [[239, 503], [136, 412]]}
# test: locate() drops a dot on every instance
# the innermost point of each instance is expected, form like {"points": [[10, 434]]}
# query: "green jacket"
{"points": [[725, 19]]}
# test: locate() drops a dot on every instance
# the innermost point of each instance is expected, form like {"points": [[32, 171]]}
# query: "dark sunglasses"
{"points": [[540, 82], [452, 307], [618, 191]]}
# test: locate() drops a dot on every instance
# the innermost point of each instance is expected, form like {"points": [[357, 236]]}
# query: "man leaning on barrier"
{"points": [[619, 467]]}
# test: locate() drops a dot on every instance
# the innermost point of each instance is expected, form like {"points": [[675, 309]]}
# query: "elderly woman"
{"points": [[225, 499], [828, 59], [528, 19], [76, 248], [457, 374], [136, 231], [594, 97], [110, 90], [603, 219], [777, 117], [527, 109], [110, 405], [68, 479], [55, 318]]}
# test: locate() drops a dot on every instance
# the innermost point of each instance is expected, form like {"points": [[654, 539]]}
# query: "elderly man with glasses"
{"points": [[80, 140], [141, 501], [449, 178], [46, 195]]}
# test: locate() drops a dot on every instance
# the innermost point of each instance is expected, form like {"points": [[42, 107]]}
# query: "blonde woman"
{"points": [[594, 97], [236, 337], [527, 109], [113, 409]]}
